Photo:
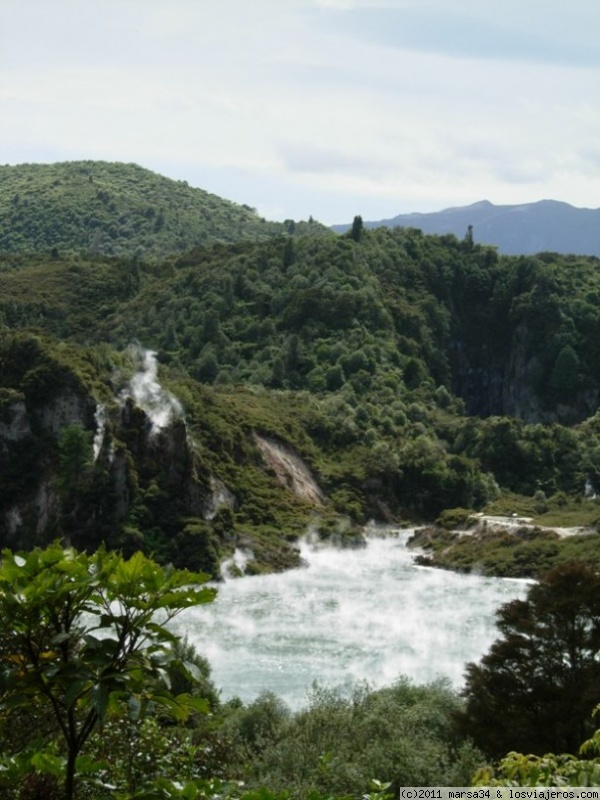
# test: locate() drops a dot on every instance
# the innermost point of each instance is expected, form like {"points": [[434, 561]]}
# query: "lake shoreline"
{"points": [[504, 546]]}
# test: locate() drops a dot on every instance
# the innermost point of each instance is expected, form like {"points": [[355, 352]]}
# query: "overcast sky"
{"points": [[327, 108]]}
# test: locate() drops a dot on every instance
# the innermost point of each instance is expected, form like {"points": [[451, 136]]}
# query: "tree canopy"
{"points": [[114, 209], [536, 688]]}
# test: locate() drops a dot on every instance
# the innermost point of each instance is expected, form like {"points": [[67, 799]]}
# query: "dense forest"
{"points": [[180, 378], [412, 374]]}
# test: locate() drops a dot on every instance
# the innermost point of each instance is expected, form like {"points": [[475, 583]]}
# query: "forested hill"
{"points": [[102, 208], [507, 335], [395, 374]]}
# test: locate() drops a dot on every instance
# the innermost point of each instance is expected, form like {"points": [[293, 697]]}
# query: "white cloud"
{"points": [[313, 106]]}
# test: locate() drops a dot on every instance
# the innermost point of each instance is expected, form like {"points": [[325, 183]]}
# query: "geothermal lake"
{"points": [[347, 616]]}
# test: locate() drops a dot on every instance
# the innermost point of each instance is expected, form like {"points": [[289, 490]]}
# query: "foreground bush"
{"points": [[403, 735], [80, 634]]}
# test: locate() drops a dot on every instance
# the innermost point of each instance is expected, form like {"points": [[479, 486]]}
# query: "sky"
{"points": [[322, 108]]}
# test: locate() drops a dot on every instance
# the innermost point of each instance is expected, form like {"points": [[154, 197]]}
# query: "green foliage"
{"points": [[189, 673], [523, 457], [404, 734], [355, 352], [136, 752], [452, 518], [502, 550], [101, 208], [536, 688], [80, 632], [540, 502], [356, 229], [75, 454], [516, 769], [196, 547]]}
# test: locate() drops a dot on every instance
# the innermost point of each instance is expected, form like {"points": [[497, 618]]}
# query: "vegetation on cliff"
{"points": [[81, 460], [508, 336], [412, 373]]}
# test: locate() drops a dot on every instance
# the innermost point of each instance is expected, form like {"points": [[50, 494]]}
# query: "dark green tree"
{"points": [[536, 688], [212, 327], [334, 378], [292, 353], [75, 453], [564, 378], [288, 252], [356, 231], [469, 238], [415, 373], [277, 372], [207, 366]]}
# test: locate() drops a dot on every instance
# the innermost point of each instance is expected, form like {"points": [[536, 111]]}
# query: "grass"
{"points": [[562, 511]]}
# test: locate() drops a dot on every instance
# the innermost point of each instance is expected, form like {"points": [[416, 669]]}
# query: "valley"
{"points": [[252, 402], [411, 374]]}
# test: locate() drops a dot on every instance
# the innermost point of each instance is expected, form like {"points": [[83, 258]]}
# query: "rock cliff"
{"points": [[99, 459]]}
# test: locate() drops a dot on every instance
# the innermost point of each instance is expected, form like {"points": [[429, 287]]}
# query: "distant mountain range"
{"points": [[114, 209], [515, 229]]}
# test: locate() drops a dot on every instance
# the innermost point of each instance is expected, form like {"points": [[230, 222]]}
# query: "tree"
{"points": [[536, 688], [75, 453], [212, 325], [469, 238], [79, 633], [415, 373], [357, 228], [564, 378], [207, 366], [563, 769]]}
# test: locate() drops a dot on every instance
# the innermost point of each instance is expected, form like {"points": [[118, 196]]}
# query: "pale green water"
{"points": [[350, 615]]}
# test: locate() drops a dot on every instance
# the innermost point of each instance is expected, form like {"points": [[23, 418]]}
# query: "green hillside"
{"points": [[182, 379], [101, 208], [397, 311], [411, 374]]}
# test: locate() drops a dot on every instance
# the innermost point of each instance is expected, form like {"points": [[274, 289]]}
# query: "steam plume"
{"points": [[159, 404]]}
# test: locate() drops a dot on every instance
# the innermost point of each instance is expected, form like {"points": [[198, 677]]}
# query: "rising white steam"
{"points": [[236, 565], [348, 616], [100, 417], [159, 404]]}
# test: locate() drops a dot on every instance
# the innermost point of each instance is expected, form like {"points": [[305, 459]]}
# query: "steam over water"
{"points": [[348, 616]]}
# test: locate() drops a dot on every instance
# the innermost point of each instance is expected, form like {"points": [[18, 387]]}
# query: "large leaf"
{"points": [[100, 699]]}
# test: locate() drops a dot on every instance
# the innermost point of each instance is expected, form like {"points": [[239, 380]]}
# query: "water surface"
{"points": [[349, 615]]}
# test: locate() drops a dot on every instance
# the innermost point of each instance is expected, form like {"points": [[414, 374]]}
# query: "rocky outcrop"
{"points": [[131, 456], [14, 423], [493, 383], [479, 379], [92, 456], [220, 497], [66, 408], [290, 470]]}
